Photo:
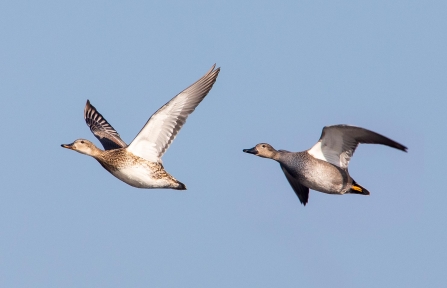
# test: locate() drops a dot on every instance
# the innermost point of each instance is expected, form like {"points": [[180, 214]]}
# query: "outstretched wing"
{"points": [[300, 190], [338, 143], [161, 129], [102, 130]]}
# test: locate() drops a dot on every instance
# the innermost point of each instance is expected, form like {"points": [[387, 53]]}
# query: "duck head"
{"points": [[82, 146], [262, 150]]}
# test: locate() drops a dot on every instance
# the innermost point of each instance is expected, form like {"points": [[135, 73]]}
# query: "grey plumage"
{"points": [[338, 143], [324, 167]]}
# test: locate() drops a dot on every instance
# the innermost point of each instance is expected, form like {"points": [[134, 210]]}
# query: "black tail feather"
{"points": [[357, 189], [181, 186]]}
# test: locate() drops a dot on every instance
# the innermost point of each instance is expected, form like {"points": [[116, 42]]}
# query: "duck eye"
{"points": [[263, 146], [82, 142]]}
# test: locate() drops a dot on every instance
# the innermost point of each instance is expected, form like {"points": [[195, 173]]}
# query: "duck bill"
{"points": [[253, 151], [68, 146]]}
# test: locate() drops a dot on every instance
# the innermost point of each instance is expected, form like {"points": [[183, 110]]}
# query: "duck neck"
{"points": [[271, 154], [275, 155], [95, 152], [280, 156]]}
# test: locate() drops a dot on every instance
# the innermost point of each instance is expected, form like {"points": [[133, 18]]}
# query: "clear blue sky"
{"points": [[288, 69]]}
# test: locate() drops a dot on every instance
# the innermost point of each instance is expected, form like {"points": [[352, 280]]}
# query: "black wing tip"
{"points": [[403, 148], [87, 108], [305, 199], [90, 111], [391, 143], [397, 145]]}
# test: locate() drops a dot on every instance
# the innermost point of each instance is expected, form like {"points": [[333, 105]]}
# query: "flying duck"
{"points": [[139, 163], [324, 167]]}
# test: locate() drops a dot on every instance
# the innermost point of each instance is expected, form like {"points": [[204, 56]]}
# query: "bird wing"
{"points": [[163, 126], [102, 130], [300, 190], [338, 143]]}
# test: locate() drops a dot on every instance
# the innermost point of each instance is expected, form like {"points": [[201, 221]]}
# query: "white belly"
{"points": [[140, 177]]}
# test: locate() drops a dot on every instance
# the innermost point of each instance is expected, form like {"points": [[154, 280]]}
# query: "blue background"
{"points": [[288, 69]]}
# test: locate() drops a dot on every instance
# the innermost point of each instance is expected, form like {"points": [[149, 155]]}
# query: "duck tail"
{"points": [[180, 186], [357, 189]]}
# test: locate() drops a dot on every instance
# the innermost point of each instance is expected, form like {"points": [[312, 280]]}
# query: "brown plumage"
{"points": [[139, 163]]}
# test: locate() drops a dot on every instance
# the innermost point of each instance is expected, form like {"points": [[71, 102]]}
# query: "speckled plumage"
{"points": [[139, 163], [153, 174], [129, 168], [118, 159]]}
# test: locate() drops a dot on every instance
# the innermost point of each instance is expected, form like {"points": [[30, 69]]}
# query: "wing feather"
{"points": [[162, 127], [300, 190], [102, 130], [337, 143]]}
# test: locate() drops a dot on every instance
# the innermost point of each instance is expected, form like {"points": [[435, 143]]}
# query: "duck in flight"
{"points": [[324, 167], [139, 163]]}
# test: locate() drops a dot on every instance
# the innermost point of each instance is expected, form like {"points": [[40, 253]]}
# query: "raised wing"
{"points": [[338, 143], [300, 190], [161, 129], [102, 130]]}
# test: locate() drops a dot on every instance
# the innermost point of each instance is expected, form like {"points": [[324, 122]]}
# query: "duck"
{"points": [[139, 164], [324, 167]]}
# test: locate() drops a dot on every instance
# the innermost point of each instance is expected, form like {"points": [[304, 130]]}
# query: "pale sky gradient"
{"points": [[288, 69]]}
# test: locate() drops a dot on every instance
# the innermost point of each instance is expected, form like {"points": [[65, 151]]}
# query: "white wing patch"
{"points": [[337, 143], [334, 147], [325, 154], [158, 131]]}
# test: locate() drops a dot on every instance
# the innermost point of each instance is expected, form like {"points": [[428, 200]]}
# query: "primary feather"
{"points": [[163, 126], [102, 130], [337, 143]]}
